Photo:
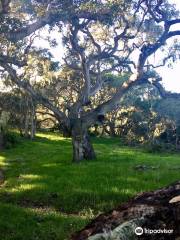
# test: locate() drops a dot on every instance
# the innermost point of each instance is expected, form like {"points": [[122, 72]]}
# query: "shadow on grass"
{"points": [[17, 223], [40, 177]]}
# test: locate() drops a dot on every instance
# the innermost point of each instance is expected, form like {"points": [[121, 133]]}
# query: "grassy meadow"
{"points": [[46, 196]]}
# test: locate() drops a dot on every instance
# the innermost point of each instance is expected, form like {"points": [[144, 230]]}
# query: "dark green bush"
{"points": [[159, 147], [11, 139]]}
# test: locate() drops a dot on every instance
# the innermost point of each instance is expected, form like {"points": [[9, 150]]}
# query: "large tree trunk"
{"points": [[157, 210], [66, 132], [82, 147]]}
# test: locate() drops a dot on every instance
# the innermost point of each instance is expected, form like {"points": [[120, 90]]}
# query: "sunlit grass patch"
{"points": [[3, 163], [57, 197]]}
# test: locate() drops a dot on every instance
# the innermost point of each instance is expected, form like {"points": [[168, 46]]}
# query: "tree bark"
{"points": [[65, 131], [1, 140], [33, 121], [26, 125], [156, 210], [82, 147], [112, 129]]}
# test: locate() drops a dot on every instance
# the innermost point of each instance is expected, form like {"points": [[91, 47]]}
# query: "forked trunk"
{"points": [[82, 147]]}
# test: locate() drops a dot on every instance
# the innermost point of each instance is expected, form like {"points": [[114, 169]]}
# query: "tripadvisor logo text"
{"points": [[139, 231]]}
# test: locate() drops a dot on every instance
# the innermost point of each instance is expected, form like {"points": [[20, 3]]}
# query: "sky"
{"points": [[170, 76]]}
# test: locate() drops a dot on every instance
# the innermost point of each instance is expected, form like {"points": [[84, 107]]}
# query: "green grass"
{"points": [[45, 196]]}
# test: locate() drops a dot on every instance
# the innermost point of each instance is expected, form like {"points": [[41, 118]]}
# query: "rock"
{"points": [[125, 230], [156, 211], [175, 199]]}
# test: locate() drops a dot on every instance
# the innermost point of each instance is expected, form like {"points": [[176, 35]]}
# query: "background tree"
{"points": [[172, 113], [136, 120]]}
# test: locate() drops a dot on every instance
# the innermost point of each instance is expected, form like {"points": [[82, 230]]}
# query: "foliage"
{"points": [[172, 111], [116, 80], [171, 114], [159, 147], [135, 121], [20, 109], [11, 139]]}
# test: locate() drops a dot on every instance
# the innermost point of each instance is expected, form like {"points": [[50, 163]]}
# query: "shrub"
{"points": [[159, 147], [10, 139]]}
